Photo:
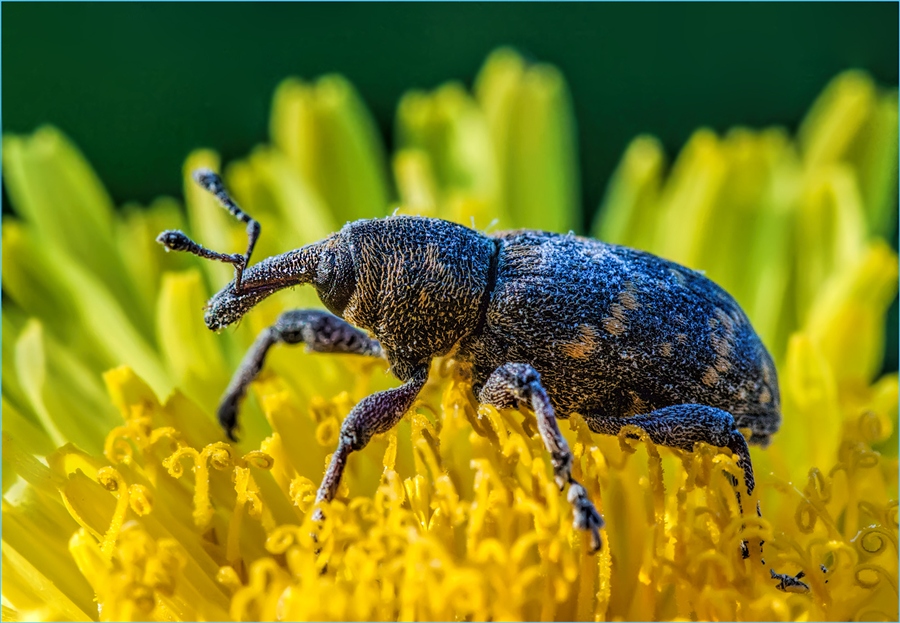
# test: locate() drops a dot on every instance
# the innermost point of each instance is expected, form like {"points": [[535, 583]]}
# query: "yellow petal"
{"points": [[629, 209], [142, 256], [36, 285], [26, 586], [689, 200], [33, 438], [290, 211], [448, 126], [809, 403], [836, 118], [52, 185], [415, 182], [332, 141], [753, 162], [31, 367], [847, 317], [529, 114], [875, 158], [190, 349], [78, 307], [829, 231], [83, 415]]}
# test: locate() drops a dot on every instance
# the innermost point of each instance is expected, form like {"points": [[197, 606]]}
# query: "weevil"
{"points": [[559, 324]]}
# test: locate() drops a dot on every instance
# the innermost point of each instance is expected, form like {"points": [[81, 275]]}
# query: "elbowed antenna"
{"points": [[251, 284], [175, 240]]}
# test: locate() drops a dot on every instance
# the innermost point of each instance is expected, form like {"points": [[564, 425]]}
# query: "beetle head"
{"points": [[327, 264]]}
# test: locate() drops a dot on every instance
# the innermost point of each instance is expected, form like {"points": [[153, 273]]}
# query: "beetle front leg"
{"points": [[515, 383], [374, 414], [321, 331]]}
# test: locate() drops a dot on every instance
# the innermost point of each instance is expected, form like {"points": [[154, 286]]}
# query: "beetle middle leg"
{"points": [[320, 331], [518, 383]]}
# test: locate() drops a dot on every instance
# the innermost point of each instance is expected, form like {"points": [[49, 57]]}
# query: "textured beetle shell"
{"points": [[419, 285], [611, 330]]}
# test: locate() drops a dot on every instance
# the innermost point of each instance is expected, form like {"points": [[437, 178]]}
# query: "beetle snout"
{"points": [[219, 314], [228, 306], [214, 321]]}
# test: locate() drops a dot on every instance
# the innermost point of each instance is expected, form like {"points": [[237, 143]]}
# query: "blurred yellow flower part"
{"points": [[120, 502]]}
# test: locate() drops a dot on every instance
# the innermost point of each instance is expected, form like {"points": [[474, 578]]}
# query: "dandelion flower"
{"points": [[121, 502]]}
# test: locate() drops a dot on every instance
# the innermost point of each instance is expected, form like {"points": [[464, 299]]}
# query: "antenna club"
{"points": [[174, 240], [208, 179]]}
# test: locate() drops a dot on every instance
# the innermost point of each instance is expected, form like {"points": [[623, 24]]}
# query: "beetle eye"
{"points": [[325, 269], [335, 278]]}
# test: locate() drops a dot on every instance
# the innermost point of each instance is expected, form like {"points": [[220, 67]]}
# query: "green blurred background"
{"points": [[137, 86]]}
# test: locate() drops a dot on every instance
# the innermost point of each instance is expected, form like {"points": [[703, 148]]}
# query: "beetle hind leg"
{"points": [[517, 383], [682, 426]]}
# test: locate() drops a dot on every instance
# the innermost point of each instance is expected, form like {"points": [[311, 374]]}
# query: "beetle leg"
{"points": [[515, 383], [682, 426], [321, 331], [374, 414], [790, 583]]}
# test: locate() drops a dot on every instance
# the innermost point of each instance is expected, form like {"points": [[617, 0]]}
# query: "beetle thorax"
{"points": [[420, 284]]}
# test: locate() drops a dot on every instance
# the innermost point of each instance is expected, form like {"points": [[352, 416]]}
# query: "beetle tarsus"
{"points": [[585, 514], [790, 583]]}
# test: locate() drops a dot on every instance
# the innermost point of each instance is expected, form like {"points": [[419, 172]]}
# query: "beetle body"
{"points": [[557, 323], [611, 330]]}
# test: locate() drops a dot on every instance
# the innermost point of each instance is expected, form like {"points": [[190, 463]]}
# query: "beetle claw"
{"points": [[585, 514]]}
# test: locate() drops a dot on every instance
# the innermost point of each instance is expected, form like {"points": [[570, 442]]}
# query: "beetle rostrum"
{"points": [[556, 323]]}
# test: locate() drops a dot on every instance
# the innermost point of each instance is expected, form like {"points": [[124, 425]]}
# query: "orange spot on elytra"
{"points": [[627, 297], [615, 323], [710, 377], [722, 345], [583, 346], [726, 320], [767, 373], [613, 326]]}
